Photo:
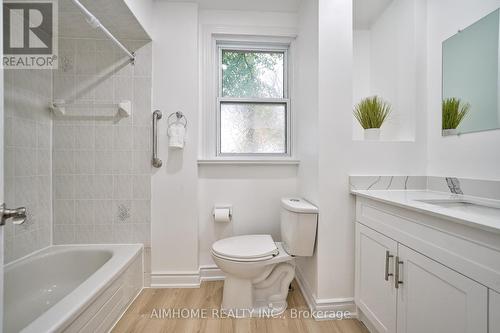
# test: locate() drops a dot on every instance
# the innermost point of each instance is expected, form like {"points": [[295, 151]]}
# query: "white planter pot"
{"points": [[372, 134], [447, 132]]}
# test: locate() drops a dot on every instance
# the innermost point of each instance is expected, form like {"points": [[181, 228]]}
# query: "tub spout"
{"points": [[18, 215]]}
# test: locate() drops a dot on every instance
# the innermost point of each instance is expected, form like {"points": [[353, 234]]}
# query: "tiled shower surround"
{"points": [[101, 162], [27, 159], [84, 176]]}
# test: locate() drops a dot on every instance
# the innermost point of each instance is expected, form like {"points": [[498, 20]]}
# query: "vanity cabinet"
{"points": [[416, 274]]}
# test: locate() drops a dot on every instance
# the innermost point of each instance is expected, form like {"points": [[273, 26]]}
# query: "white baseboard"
{"points": [[186, 279], [323, 307], [369, 326], [211, 273], [175, 279]]}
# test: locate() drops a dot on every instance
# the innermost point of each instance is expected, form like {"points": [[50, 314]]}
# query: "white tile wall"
{"points": [[101, 164], [28, 159]]}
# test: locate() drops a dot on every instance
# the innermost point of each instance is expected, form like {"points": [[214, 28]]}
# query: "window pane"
{"points": [[253, 128], [252, 74]]}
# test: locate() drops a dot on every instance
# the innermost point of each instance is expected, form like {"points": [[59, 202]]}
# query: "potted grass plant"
{"points": [[454, 111], [371, 113]]}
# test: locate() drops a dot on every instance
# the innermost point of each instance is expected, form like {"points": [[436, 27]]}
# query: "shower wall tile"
{"points": [[101, 163], [104, 137], [64, 186], [141, 188], [143, 66], [28, 131], [103, 234], [64, 234], [103, 212], [85, 212], [85, 162]]}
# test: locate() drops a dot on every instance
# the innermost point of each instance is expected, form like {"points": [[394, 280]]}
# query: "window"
{"points": [[253, 105]]}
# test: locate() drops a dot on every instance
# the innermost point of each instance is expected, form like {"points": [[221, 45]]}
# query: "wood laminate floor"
{"points": [[150, 313]]}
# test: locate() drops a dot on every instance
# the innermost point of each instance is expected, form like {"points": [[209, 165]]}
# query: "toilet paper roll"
{"points": [[222, 215]]}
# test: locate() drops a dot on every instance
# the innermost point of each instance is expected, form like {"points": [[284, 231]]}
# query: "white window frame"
{"points": [[211, 36], [262, 47]]}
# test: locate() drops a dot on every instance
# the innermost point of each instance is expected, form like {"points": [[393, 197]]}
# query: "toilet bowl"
{"points": [[257, 284], [259, 270]]}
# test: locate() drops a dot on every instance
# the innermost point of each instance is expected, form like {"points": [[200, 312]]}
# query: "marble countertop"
{"points": [[411, 199]]}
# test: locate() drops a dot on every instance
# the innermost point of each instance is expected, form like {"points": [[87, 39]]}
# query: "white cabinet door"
{"points": [[494, 312], [435, 299], [375, 295]]}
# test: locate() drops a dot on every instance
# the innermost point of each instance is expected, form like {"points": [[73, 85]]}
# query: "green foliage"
{"points": [[371, 112], [454, 112], [251, 74]]}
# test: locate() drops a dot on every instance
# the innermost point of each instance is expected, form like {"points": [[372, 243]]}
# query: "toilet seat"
{"points": [[246, 248]]}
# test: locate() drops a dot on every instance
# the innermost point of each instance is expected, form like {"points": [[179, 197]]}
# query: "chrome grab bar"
{"points": [[18, 215], [157, 163]]}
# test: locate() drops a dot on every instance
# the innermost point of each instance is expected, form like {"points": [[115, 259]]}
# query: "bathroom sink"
{"points": [[488, 209]]}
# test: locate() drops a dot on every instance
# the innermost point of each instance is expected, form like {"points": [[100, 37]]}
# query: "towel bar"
{"points": [[180, 116]]}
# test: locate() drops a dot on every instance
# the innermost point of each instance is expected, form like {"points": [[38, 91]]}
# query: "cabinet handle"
{"points": [[396, 273], [388, 256]]}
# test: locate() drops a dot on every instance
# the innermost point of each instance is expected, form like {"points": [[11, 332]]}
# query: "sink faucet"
{"points": [[454, 185]]}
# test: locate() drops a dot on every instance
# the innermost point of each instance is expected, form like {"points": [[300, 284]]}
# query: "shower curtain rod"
{"points": [[95, 23]]}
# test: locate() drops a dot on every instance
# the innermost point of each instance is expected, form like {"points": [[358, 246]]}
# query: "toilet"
{"points": [[258, 269]]}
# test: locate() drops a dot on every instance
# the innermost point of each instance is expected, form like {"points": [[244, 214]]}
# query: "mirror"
{"points": [[471, 75]]}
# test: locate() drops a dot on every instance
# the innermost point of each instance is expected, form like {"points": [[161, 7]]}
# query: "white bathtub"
{"points": [[71, 288]]}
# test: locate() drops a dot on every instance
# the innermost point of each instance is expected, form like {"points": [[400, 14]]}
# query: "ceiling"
{"points": [[366, 12], [119, 20], [256, 5], [113, 14]]}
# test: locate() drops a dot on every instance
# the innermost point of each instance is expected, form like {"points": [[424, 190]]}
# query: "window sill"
{"points": [[221, 161]]}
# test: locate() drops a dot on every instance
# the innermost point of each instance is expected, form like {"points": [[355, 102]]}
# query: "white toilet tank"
{"points": [[299, 220]]}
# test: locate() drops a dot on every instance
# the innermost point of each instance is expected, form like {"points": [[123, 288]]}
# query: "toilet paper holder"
{"points": [[223, 207]]}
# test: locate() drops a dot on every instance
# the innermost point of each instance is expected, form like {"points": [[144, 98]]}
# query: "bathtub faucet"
{"points": [[18, 215]]}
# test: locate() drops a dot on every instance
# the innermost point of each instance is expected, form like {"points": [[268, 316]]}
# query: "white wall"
{"points": [[183, 193], [361, 85], [473, 155], [250, 19], [385, 65], [340, 156], [306, 106], [174, 219], [253, 191], [143, 12], [361, 71], [335, 234]]}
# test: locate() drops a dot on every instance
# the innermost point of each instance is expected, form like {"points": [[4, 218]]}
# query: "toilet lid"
{"points": [[246, 247]]}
